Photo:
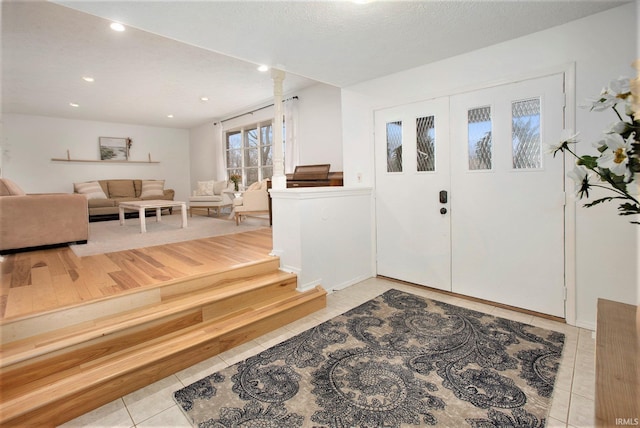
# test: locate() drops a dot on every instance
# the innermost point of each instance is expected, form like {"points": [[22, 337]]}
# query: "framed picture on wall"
{"points": [[114, 149]]}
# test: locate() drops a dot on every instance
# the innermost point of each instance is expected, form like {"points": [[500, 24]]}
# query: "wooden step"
{"points": [[134, 326], [50, 378], [34, 324]]}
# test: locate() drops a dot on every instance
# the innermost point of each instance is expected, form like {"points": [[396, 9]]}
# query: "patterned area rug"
{"points": [[396, 360]]}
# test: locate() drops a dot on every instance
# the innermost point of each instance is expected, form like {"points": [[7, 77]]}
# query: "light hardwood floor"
{"points": [[43, 280]]}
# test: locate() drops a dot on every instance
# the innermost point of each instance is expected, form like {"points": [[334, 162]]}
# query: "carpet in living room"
{"points": [[397, 360], [110, 236]]}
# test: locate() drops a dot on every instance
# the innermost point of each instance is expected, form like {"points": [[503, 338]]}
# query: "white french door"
{"points": [[502, 235], [412, 167]]}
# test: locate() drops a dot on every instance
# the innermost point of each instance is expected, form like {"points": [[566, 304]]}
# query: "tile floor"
{"points": [[153, 406]]}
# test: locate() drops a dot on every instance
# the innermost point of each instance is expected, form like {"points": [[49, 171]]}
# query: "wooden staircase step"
{"points": [[111, 332], [91, 384], [14, 329]]}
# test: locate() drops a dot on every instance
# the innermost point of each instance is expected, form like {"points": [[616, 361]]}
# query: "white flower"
{"points": [[618, 91], [616, 156], [603, 102], [566, 138], [617, 127], [581, 176], [619, 86]]}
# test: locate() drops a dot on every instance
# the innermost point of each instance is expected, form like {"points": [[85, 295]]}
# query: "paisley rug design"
{"points": [[397, 360]]}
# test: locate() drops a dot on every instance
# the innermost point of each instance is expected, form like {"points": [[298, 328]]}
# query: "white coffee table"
{"points": [[141, 206]]}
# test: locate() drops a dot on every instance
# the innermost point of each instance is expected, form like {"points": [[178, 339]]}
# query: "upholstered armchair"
{"points": [[253, 201], [211, 195]]}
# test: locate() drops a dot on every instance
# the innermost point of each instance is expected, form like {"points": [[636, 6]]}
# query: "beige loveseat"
{"points": [[37, 220], [103, 196]]}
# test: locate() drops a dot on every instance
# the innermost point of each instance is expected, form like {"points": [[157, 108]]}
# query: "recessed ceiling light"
{"points": [[204, 98], [116, 26], [263, 68], [88, 79], [74, 104], [170, 116]]}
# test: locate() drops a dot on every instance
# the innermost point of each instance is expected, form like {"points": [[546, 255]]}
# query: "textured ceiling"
{"points": [[212, 48]]}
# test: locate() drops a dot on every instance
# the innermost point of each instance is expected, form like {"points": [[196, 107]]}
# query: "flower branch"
{"points": [[618, 159]]}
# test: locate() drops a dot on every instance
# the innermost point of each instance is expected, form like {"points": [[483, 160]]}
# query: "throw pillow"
{"points": [[205, 188], [219, 187], [152, 188], [255, 186], [90, 190]]}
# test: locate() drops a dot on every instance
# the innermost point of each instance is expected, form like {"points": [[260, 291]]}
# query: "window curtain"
{"points": [[221, 161], [292, 154]]}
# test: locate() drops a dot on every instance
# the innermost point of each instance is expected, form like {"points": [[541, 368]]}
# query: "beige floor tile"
{"points": [[172, 417], [274, 337], [554, 423], [241, 352], [584, 383], [200, 370], [113, 414], [564, 378], [581, 411], [153, 399], [560, 404]]}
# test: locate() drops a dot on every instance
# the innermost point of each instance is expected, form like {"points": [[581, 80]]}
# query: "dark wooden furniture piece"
{"points": [[617, 398], [314, 176], [310, 176]]}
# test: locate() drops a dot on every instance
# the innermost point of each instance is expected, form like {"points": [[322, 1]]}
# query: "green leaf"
{"points": [[589, 161], [598, 201]]}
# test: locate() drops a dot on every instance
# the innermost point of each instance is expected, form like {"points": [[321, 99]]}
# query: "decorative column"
{"points": [[279, 180]]}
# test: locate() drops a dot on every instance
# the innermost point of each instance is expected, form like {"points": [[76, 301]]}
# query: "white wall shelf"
{"points": [[99, 161]]}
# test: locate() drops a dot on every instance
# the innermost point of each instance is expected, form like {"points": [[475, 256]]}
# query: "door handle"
{"points": [[443, 196]]}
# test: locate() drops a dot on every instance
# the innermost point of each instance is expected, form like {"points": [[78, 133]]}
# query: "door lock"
{"points": [[443, 196]]}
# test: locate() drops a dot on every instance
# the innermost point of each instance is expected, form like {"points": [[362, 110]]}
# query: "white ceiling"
{"points": [[175, 52]]}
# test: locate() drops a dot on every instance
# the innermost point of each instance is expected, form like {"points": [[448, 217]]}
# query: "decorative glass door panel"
{"points": [[479, 138], [426, 143], [412, 168], [394, 146], [525, 134]]}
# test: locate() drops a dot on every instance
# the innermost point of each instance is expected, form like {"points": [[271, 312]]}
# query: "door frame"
{"points": [[569, 71]]}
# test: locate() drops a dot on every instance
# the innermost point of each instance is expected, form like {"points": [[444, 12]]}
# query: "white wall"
{"points": [[319, 133], [29, 143], [320, 126], [202, 154], [602, 47]]}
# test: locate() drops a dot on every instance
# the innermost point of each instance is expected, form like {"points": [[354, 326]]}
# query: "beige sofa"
{"points": [[37, 220], [103, 196]]}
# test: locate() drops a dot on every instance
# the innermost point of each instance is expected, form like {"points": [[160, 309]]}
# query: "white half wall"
{"points": [[601, 47], [324, 235], [30, 142]]}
